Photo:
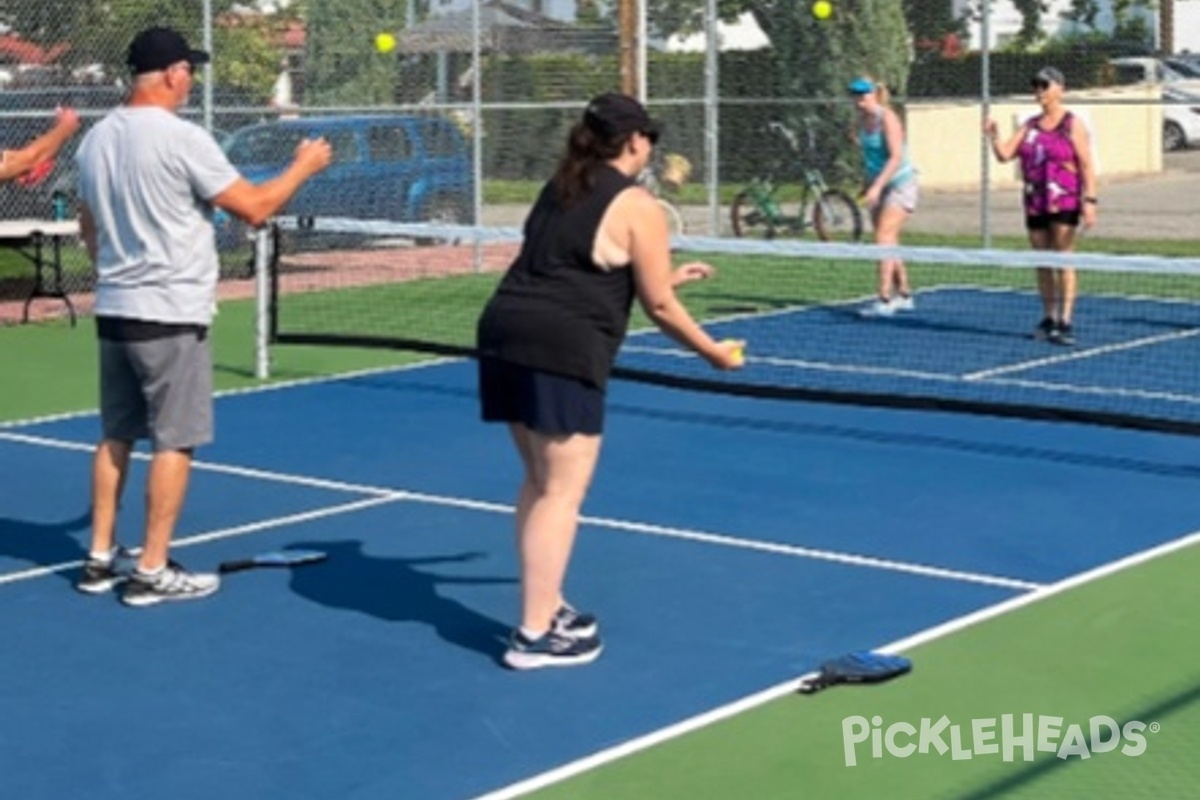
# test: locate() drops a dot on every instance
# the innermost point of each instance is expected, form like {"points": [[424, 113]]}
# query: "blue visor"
{"points": [[861, 86]]}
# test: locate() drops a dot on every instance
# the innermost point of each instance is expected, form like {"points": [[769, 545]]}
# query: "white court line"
{"points": [[390, 494], [1108, 392], [984, 377], [1115, 296], [1079, 355], [789, 687], [818, 555], [989, 376], [266, 387], [816, 366], [222, 533]]}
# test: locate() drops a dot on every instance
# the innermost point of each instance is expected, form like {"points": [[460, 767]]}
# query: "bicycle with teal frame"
{"points": [[830, 213]]}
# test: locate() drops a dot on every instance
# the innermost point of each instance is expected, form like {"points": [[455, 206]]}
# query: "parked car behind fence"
{"points": [[404, 168], [26, 113], [1181, 95]]}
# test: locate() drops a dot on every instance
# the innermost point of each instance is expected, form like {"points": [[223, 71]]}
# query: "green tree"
{"points": [[813, 57], [342, 67], [1131, 31], [1031, 31], [1083, 13], [1133, 23], [933, 26], [99, 32], [42, 23]]}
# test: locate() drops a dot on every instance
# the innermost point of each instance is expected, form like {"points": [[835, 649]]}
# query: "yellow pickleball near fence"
{"points": [[385, 42]]}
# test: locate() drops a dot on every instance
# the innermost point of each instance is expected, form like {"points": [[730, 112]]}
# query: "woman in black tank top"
{"points": [[547, 341]]}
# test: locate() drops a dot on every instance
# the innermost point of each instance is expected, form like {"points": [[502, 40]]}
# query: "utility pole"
{"points": [[1166, 26], [627, 25]]}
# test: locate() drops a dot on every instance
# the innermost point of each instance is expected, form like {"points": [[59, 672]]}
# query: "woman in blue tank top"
{"points": [[889, 188]]}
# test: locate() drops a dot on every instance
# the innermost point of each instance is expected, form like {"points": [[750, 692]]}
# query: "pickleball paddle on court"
{"points": [[861, 667], [276, 558]]}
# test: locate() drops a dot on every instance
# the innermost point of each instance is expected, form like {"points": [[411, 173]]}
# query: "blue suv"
{"points": [[406, 168]]}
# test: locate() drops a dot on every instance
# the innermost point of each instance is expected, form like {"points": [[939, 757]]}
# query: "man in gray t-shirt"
{"points": [[149, 183], [156, 257]]}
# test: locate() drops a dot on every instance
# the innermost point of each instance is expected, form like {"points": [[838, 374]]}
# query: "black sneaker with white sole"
{"points": [[1045, 329], [1063, 334], [172, 582], [551, 649], [103, 575], [569, 621]]}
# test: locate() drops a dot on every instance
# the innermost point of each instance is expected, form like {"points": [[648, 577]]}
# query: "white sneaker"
{"points": [[880, 308], [172, 583], [903, 303], [553, 649]]}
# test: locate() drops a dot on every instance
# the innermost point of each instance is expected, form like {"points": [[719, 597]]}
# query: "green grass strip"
{"points": [[50, 368], [1120, 646]]}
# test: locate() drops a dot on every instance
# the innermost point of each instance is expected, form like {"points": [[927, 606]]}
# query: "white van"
{"points": [[1181, 97]]}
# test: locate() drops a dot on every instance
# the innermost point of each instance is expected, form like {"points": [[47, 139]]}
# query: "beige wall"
{"points": [[945, 142]]}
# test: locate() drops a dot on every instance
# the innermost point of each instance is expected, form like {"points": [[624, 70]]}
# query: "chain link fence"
{"points": [[457, 111]]}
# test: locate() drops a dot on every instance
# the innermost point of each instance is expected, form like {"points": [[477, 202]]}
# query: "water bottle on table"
{"points": [[58, 205]]}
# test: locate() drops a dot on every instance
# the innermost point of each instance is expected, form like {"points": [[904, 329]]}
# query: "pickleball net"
{"points": [[968, 345]]}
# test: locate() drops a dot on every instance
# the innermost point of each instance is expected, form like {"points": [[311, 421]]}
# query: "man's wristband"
{"points": [[1092, 200]]}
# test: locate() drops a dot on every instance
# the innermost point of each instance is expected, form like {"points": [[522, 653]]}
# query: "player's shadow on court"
{"points": [[401, 590], [42, 544]]}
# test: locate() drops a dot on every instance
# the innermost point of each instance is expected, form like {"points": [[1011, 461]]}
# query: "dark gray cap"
{"points": [[1050, 75]]}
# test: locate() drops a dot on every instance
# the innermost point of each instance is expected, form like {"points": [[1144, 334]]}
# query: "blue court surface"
{"points": [[1133, 355], [729, 545]]}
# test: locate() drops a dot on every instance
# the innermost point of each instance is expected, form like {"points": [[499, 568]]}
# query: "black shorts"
{"points": [[1042, 222], [550, 404]]}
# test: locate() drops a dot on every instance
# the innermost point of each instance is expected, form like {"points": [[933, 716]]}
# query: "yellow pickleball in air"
{"points": [[822, 9], [385, 42]]}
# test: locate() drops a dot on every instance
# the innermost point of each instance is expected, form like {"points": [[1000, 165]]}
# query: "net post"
{"points": [[712, 144], [262, 297], [985, 107]]}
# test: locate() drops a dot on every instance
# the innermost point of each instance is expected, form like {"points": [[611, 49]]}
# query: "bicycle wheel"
{"points": [[748, 219], [674, 217], [835, 217]]}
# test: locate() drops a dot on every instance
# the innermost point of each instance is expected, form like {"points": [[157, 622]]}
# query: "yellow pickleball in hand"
{"points": [[739, 350]]}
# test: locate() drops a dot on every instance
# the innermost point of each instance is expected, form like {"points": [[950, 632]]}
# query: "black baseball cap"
{"points": [[156, 49], [613, 115]]}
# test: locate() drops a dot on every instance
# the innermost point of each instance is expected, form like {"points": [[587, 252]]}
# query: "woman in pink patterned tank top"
{"points": [[1060, 193]]}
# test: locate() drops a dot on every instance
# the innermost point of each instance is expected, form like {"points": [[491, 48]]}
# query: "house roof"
{"points": [[15, 50], [503, 27]]}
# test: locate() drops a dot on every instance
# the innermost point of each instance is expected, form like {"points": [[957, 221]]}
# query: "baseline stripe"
{"points": [[389, 494]]}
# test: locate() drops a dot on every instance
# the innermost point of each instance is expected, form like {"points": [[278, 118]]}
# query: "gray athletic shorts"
{"points": [[905, 195], [158, 389]]}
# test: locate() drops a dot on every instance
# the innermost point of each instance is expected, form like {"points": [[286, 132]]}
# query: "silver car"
{"points": [[1181, 95]]}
